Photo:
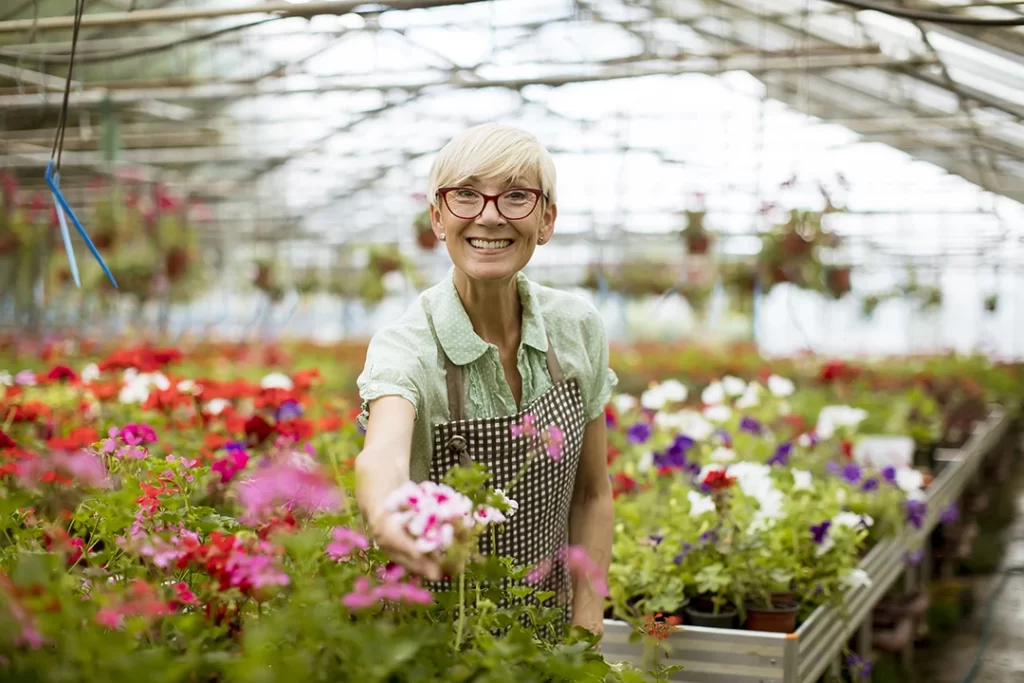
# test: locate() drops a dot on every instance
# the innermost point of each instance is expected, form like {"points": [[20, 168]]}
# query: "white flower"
{"points": [[488, 515], [850, 520], [909, 480], [188, 386], [718, 413], [841, 495], [645, 462], [134, 392], [90, 373], [723, 455], [733, 386], [216, 406], [6, 379], [855, 578], [699, 504], [713, 394], [513, 506], [804, 440], [751, 396], [277, 380], [780, 386], [687, 422], [674, 390], [653, 399], [826, 544], [802, 480], [624, 403], [832, 418]]}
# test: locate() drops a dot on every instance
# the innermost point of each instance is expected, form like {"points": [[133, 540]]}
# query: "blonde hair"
{"points": [[492, 151]]}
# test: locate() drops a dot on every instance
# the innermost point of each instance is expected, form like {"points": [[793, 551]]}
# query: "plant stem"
{"points": [[462, 611]]}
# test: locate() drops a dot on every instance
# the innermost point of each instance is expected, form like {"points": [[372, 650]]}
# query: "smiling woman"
{"points": [[446, 383]]}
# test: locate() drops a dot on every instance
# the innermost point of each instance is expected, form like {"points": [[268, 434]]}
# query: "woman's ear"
{"points": [[547, 229], [435, 221]]}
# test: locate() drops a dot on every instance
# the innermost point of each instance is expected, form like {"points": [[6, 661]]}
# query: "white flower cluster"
{"points": [[717, 395], [434, 514]]}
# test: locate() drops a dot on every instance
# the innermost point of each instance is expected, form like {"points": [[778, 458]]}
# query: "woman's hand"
{"points": [[388, 530], [382, 467]]}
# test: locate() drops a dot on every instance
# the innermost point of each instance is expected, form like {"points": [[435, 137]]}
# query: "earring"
{"points": [[541, 240], [442, 237]]}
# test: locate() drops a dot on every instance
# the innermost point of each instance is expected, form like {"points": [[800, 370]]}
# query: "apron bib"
{"points": [[539, 529]]}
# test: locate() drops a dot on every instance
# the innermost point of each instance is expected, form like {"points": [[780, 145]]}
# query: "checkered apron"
{"points": [[540, 528]]}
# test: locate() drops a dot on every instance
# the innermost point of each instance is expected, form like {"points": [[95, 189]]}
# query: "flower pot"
{"points": [[726, 617], [426, 239], [780, 618]]}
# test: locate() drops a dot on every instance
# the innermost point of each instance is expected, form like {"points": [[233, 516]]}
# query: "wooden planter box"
{"points": [[710, 655]]}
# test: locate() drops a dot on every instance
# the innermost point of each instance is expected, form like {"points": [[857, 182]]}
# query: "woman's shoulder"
{"points": [[566, 310]]}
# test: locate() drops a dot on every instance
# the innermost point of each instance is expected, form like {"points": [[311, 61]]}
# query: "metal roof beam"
{"points": [[695, 65]]}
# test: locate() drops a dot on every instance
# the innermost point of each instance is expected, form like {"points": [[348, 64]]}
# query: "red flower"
{"points": [[6, 441], [62, 373], [622, 483], [660, 627], [258, 430], [718, 480], [298, 429], [847, 448], [305, 379], [79, 437]]}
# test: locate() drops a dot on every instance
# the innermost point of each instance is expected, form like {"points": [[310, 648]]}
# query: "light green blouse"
{"points": [[405, 359]]}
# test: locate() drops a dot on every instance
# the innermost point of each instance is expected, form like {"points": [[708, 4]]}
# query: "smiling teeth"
{"points": [[490, 244]]}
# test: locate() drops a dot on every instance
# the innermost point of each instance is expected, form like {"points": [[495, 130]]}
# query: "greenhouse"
{"points": [[725, 387]]}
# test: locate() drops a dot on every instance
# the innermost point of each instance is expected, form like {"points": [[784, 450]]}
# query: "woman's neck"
{"points": [[494, 309]]}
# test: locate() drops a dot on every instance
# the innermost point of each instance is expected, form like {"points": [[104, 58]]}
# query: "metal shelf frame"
{"points": [[710, 655]]}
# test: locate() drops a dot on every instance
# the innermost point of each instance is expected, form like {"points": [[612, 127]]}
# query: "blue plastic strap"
{"points": [[59, 197], [65, 234]]}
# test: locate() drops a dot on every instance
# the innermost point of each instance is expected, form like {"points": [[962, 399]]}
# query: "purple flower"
{"points": [[916, 510], [914, 557], [819, 531], [709, 537], [889, 474], [678, 559], [639, 433], [951, 514], [725, 438], [750, 425], [782, 453], [288, 410], [609, 419], [860, 668], [869, 485], [674, 456], [851, 473], [655, 539]]}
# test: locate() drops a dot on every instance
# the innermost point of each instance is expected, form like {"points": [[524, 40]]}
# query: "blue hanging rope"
{"points": [[53, 170]]}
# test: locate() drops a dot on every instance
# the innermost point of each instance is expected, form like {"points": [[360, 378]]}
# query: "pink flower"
{"points": [[361, 596], [345, 542], [524, 428], [488, 515], [541, 571], [110, 617], [579, 564], [137, 433], [231, 465], [288, 486], [364, 595], [554, 439]]}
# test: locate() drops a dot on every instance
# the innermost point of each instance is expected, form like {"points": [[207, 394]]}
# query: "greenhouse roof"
{"points": [[325, 126]]}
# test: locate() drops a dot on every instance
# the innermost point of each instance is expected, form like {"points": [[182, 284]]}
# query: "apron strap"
{"points": [[457, 390]]}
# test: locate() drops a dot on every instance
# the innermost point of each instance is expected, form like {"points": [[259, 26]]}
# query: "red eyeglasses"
{"points": [[513, 205]]}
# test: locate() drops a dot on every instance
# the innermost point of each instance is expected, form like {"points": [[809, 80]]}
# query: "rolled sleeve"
{"points": [[603, 378], [392, 369]]}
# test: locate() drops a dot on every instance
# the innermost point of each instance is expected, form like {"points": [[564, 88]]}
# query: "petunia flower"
{"points": [[639, 433], [345, 542]]}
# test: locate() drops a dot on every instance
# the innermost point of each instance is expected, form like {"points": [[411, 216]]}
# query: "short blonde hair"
{"points": [[492, 151]]}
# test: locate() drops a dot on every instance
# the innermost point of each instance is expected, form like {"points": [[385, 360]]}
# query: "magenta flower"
{"points": [[346, 541], [581, 567], [541, 571], [364, 595], [231, 465], [137, 433]]}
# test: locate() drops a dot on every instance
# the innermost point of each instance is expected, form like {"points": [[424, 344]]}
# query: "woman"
{"points": [[449, 378]]}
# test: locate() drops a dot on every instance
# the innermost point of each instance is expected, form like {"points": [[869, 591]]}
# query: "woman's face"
{"points": [[490, 246]]}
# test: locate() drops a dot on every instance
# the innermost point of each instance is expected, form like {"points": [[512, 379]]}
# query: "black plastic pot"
{"points": [[726, 617]]}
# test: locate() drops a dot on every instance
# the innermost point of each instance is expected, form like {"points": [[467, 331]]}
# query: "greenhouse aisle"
{"points": [[950, 660]]}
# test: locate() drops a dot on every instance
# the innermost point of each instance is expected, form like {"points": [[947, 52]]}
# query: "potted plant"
{"points": [[695, 235], [425, 236], [992, 303]]}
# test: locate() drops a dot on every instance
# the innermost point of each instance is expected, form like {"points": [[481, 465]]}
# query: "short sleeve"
{"points": [[603, 379], [393, 368]]}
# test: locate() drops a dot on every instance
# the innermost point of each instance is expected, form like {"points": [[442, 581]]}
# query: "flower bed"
{"points": [[754, 508], [190, 513], [176, 527]]}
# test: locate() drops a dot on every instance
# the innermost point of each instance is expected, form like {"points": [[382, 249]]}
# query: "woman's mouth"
{"points": [[489, 245]]}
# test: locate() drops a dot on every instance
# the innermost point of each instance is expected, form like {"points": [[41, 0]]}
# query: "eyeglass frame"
{"points": [[538, 194]]}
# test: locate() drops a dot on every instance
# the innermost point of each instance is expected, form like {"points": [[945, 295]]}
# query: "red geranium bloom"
{"points": [[257, 429], [718, 480], [6, 441], [62, 373]]}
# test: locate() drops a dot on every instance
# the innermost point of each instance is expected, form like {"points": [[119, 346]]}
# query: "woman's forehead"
{"points": [[499, 184]]}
